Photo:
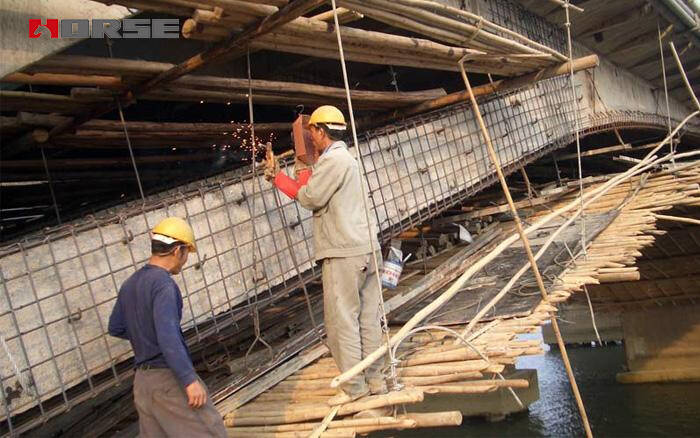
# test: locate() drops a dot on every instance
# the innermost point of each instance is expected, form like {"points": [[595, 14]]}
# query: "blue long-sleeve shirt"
{"points": [[148, 313]]}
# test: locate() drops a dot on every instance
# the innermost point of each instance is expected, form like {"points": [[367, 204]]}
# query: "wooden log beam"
{"points": [[213, 83], [63, 79], [10, 125], [24, 143], [39, 102], [274, 94], [77, 163], [49, 120], [586, 62]]}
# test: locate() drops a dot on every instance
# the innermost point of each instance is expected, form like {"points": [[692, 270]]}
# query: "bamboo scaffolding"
{"points": [[422, 354], [437, 303]]}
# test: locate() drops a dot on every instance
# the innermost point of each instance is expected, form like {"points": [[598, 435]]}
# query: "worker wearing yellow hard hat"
{"points": [[169, 396], [175, 229], [332, 189]]}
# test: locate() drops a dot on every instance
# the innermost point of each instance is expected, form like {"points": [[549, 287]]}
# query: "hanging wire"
{"points": [[126, 131], [48, 178], [567, 24], [672, 146], [361, 169], [588, 296], [254, 307]]}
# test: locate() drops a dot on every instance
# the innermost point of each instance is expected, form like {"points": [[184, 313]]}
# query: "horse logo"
{"points": [[37, 27]]}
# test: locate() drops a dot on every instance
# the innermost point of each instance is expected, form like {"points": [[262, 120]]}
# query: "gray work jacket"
{"points": [[334, 195]]}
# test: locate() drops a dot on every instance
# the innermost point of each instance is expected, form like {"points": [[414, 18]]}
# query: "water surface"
{"points": [[614, 410]]}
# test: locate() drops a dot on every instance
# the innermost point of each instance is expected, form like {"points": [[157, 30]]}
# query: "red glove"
{"points": [[289, 186]]}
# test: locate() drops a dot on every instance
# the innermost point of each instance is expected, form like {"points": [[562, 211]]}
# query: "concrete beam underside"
{"points": [[17, 50]]}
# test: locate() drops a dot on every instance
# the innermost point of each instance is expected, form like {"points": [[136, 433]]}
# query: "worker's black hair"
{"points": [[162, 248], [332, 134]]}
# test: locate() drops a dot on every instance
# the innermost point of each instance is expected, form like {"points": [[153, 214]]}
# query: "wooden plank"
{"points": [[503, 208], [280, 373]]}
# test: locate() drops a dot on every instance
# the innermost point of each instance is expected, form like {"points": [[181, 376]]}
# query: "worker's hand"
{"points": [[272, 165], [299, 166], [196, 394]]}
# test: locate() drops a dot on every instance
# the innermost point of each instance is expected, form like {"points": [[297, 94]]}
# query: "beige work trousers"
{"points": [[352, 316], [161, 402]]}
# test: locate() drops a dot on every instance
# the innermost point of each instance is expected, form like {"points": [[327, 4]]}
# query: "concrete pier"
{"points": [[662, 345], [577, 326]]}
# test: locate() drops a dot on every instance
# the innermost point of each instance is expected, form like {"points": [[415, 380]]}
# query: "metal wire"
{"points": [[567, 25], [126, 131], [48, 178], [254, 308]]}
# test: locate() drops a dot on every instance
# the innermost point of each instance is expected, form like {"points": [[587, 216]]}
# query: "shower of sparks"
{"points": [[238, 140]]}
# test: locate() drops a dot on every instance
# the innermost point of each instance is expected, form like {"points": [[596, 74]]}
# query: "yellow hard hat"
{"points": [[328, 115], [178, 229]]}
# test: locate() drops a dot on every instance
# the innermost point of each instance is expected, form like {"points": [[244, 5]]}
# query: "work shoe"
{"points": [[377, 386], [343, 397], [386, 411]]}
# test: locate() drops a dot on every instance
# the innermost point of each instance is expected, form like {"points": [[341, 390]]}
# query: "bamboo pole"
{"points": [[693, 97], [686, 220], [318, 411], [316, 433], [566, 4], [335, 424], [345, 16], [435, 419]]}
